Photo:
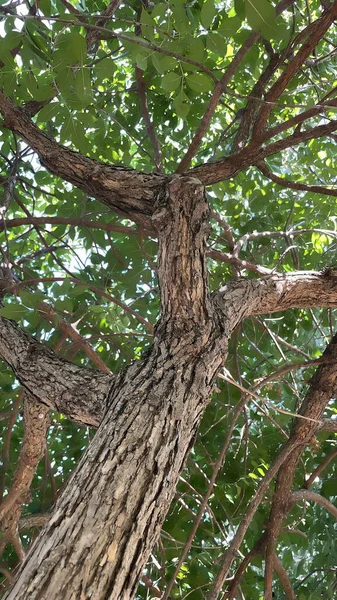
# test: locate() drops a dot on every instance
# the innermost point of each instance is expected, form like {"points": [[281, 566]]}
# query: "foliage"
{"points": [[97, 270]]}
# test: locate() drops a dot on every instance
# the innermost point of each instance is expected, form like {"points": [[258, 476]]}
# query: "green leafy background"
{"points": [[102, 280]]}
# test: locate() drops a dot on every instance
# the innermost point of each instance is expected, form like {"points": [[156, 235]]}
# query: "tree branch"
{"points": [[308, 496], [273, 293], [321, 466], [36, 421], [316, 31], [284, 579], [319, 189], [74, 222], [225, 168], [220, 89], [77, 392], [125, 190]]}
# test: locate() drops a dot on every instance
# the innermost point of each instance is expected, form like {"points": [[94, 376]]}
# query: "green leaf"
{"points": [[13, 311], [329, 488], [216, 43], [199, 82], [48, 112], [30, 299], [72, 47], [149, 25], [260, 13], [180, 18], [83, 86], [240, 8], [105, 69], [165, 63], [207, 14], [182, 105], [229, 27], [78, 290], [171, 81]]}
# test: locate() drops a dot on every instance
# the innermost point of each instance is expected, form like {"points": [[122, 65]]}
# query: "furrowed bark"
{"points": [[77, 392], [101, 533], [273, 293], [125, 190], [128, 192], [110, 515]]}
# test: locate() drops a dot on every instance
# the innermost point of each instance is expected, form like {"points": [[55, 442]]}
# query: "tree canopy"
{"points": [[241, 96]]}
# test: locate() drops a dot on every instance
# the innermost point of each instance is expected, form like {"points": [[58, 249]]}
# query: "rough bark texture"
{"points": [[101, 533], [125, 190], [78, 392], [108, 518]]}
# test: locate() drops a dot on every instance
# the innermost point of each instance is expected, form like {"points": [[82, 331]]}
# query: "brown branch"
{"points": [[252, 107], [220, 89], [7, 440], [93, 36], [147, 119], [329, 425], [49, 313], [29, 521], [150, 586], [327, 460], [37, 422], [225, 168], [308, 496], [234, 584], [237, 262], [276, 292], [74, 222], [227, 229], [317, 31], [77, 392], [323, 105], [123, 189], [319, 189], [284, 579], [214, 101]]}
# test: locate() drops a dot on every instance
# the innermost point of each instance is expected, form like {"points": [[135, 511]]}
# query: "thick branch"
{"points": [[37, 421], [77, 392], [254, 153], [301, 289], [125, 190]]}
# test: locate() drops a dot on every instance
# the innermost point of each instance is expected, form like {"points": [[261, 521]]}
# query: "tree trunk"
{"points": [[109, 517], [110, 514]]}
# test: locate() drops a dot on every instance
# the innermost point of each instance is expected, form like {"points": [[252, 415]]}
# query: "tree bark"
{"points": [[110, 514], [77, 392], [109, 517]]}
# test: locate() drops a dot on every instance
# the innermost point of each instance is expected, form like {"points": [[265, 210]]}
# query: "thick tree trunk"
{"points": [[110, 515]]}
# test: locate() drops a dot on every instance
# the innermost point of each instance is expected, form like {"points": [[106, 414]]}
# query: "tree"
{"points": [[115, 119]]}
